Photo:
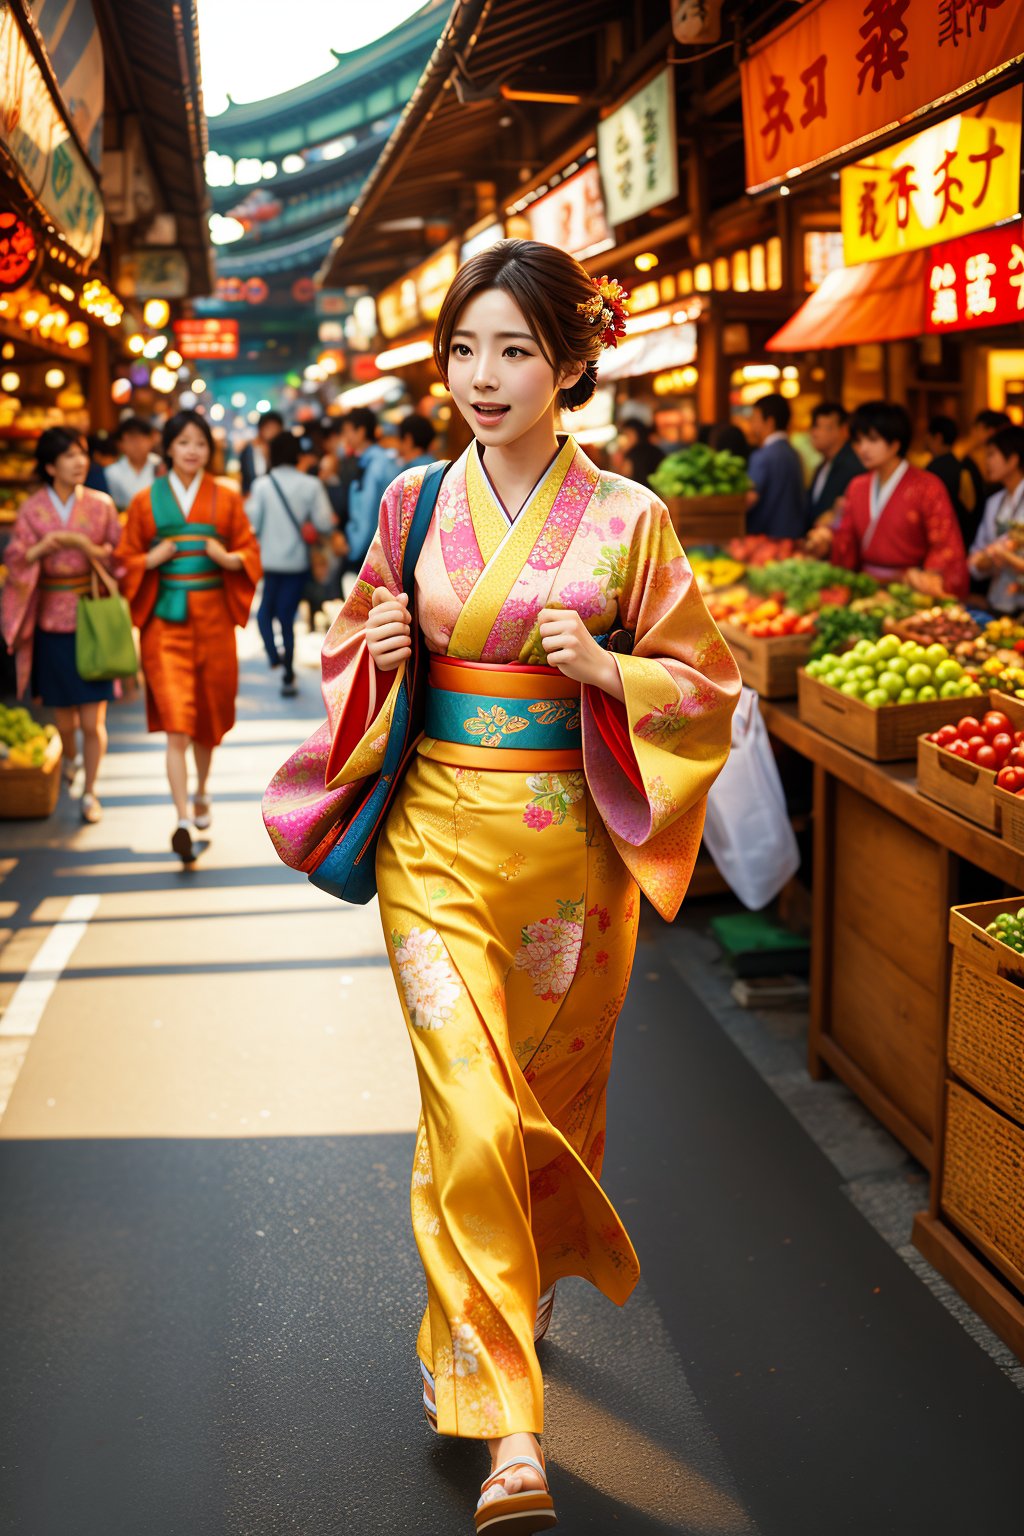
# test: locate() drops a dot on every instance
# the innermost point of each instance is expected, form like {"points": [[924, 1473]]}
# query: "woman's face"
{"points": [[71, 466], [498, 376], [874, 451], [189, 453]]}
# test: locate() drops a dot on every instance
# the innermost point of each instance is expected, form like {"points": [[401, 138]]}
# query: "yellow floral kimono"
{"points": [[508, 876]]}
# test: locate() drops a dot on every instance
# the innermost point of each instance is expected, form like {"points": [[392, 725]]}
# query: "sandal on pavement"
{"points": [[545, 1307], [201, 818], [501, 1513], [429, 1403], [69, 770], [91, 810], [181, 844]]}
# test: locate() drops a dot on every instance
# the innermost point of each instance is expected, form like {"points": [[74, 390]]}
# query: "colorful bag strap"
{"points": [[424, 511]]}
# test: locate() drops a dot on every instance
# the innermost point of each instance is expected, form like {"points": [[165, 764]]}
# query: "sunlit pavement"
{"points": [[210, 1282]]}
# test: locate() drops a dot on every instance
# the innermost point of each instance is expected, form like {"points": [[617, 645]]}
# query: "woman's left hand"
{"points": [[569, 646], [227, 562]]}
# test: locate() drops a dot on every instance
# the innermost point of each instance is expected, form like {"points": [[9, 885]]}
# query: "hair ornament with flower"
{"points": [[606, 308]]}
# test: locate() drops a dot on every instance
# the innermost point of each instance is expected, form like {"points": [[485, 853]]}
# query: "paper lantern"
{"points": [[19, 252]]}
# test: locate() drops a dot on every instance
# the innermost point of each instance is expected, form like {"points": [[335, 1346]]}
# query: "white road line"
{"points": [[22, 1015]]}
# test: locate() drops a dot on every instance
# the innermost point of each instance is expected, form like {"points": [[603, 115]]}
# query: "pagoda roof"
{"points": [[316, 176], [458, 129], [337, 101]]}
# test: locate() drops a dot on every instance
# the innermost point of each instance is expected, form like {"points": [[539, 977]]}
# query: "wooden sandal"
{"points": [[545, 1307], [429, 1406], [515, 1514]]}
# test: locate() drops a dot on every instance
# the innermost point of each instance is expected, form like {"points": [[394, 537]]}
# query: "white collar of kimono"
{"points": [[64, 509], [184, 495], [881, 495], [509, 516]]}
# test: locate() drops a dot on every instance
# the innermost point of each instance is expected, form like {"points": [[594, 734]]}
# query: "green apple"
{"points": [[863, 674], [948, 671], [935, 653], [852, 690], [918, 675], [888, 646], [892, 683], [899, 664], [926, 694], [949, 689], [908, 696], [877, 698]]}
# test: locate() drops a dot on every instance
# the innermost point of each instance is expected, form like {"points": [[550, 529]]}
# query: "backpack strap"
{"points": [[426, 501], [287, 505]]}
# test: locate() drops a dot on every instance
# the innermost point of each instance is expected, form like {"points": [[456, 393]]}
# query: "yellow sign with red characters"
{"points": [[957, 177]]}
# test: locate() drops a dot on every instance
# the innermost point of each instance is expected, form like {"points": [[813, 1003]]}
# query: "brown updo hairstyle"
{"points": [[547, 284]]}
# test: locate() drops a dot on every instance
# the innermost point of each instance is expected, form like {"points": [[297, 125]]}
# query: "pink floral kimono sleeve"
{"points": [[651, 761]]}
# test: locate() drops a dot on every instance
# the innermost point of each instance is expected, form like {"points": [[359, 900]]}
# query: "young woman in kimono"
{"points": [[58, 533], [898, 522], [191, 567], [556, 779]]}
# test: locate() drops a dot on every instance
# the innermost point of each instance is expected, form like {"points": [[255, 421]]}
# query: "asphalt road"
{"points": [[209, 1287]]}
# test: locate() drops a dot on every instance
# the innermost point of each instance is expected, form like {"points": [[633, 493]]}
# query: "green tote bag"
{"points": [[104, 642]]}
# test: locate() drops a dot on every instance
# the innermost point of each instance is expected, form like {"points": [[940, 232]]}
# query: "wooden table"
{"points": [[888, 865]]}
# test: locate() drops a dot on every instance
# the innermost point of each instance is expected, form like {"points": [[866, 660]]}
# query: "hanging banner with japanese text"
{"points": [[977, 280], [958, 176], [638, 153], [841, 72]]}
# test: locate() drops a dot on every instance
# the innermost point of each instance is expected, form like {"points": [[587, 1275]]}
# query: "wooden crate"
{"points": [[886, 735], [967, 935], [1010, 811], [961, 786], [30, 793], [708, 519], [1012, 708], [769, 666], [982, 1189]]}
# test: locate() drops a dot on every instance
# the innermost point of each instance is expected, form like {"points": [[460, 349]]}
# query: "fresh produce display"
{"points": [[1008, 928], [771, 619], [23, 741], [1005, 631], [808, 584], [990, 741], [836, 629], [759, 549], [700, 471], [713, 569], [891, 671], [945, 624]]}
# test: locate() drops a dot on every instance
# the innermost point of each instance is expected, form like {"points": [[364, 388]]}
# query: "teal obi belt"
{"points": [[190, 570], [510, 717]]}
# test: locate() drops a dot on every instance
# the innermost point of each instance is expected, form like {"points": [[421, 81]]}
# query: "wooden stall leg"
{"points": [[822, 925]]}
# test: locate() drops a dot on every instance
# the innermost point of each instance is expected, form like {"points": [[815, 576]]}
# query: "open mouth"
{"points": [[490, 413]]}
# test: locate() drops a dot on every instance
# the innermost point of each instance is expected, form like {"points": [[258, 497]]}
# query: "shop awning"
{"points": [[876, 301]]}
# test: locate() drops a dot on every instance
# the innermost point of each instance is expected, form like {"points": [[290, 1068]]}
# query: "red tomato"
{"points": [[1010, 779], [1002, 745], [985, 757], [959, 749], [994, 722], [974, 744], [1018, 737], [968, 727], [1016, 758], [944, 735]]}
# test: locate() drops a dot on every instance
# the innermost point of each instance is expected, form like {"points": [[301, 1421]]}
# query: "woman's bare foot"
{"points": [[516, 1479]]}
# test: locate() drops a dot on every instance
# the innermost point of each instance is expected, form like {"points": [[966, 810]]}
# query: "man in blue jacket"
{"points": [[375, 470], [776, 504]]}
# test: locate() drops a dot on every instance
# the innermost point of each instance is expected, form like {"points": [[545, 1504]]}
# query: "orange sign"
{"points": [[958, 176], [206, 338], [841, 72]]}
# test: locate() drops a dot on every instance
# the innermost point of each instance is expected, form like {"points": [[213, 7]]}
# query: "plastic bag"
{"points": [[747, 830]]}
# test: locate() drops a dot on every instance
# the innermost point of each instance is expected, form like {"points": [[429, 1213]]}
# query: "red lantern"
{"points": [[19, 252], [256, 290], [303, 290]]}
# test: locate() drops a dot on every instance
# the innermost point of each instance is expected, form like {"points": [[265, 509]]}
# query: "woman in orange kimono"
{"points": [[191, 567], [556, 779]]}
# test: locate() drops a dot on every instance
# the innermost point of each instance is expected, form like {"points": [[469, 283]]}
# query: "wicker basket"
{"points": [[982, 1180], [985, 1043], [29, 793]]}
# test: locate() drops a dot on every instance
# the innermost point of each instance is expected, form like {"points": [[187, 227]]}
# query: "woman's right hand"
{"points": [[161, 553], [388, 630]]}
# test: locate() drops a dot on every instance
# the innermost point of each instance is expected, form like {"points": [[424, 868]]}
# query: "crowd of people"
{"points": [[189, 548]]}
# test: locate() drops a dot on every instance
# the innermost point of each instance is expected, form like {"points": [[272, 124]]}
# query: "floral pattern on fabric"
{"points": [[551, 949], [494, 723], [552, 797], [429, 984]]}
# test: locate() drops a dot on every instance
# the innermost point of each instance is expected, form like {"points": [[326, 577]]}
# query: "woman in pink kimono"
{"points": [[556, 779], [59, 532]]}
